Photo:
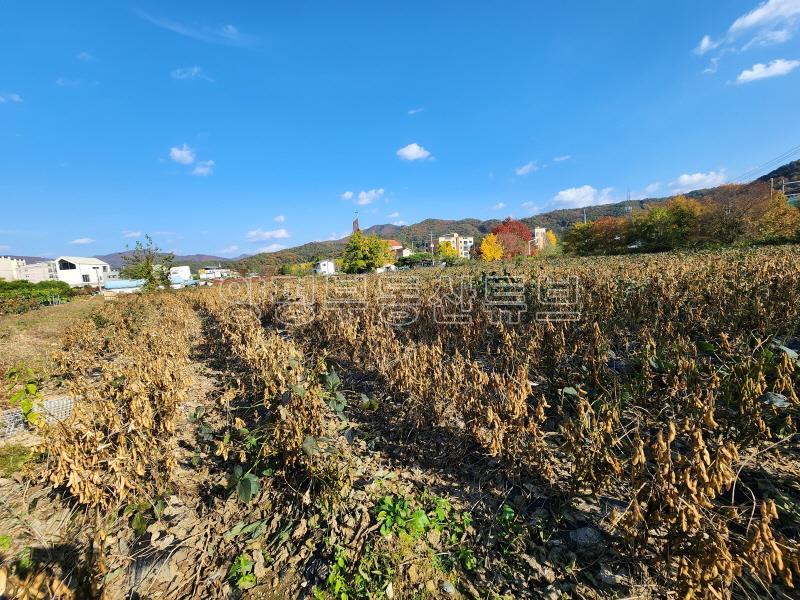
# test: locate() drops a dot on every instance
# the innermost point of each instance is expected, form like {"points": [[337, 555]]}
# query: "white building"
{"points": [[184, 272], [79, 271], [214, 273], [325, 267], [462, 244], [540, 237], [40, 271], [11, 268]]}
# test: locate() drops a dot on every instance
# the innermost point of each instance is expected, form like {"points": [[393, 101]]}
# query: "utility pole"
{"points": [[584, 215], [771, 187], [433, 259]]}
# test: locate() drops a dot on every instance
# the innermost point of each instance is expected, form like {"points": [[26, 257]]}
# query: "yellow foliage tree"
{"points": [[491, 248], [446, 250], [552, 240]]}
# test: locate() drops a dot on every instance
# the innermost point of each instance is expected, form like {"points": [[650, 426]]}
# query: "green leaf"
{"points": [[310, 446], [247, 487], [139, 524]]}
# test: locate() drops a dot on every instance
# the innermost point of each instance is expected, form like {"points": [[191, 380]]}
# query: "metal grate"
{"points": [[13, 421]]}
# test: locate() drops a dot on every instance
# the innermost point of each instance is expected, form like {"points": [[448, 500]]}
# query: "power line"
{"points": [[773, 162]]}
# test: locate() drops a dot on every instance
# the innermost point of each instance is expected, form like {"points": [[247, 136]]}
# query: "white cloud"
{"points": [[769, 38], [767, 13], [84, 56], [194, 72], [413, 152], [82, 241], [586, 195], [279, 219], [562, 158], [369, 196], [697, 181], [70, 82], [399, 223], [414, 111], [499, 205], [204, 168], [347, 195], [9, 97], [393, 215], [652, 188], [131, 234], [775, 68], [271, 248], [229, 249], [183, 155], [705, 45], [259, 235], [529, 167], [222, 34], [530, 206]]}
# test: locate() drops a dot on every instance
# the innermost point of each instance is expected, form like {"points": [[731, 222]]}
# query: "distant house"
{"points": [[397, 249], [214, 273], [325, 267], [40, 271], [184, 272], [80, 271], [462, 244], [11, 268]]}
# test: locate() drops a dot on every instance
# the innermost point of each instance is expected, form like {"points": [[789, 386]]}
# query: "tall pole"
{"points": [[584, 216], [771, 187]]}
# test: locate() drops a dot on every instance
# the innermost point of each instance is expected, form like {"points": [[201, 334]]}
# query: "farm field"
{"points": [[619, 427]]}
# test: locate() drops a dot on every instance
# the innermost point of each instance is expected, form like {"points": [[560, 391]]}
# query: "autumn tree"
{"points": [[447, 252], [550, 239], [365, 253], [491, 248], [514, 236]]}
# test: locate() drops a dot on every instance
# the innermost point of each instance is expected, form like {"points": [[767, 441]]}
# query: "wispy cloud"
{"points": [[131, 234], [194, 72], [414, 111], [413, 152], [279, 219], [771, 22], [775, 68], [229, 249], [204, 168], [393, 215], [75, 83], [81, 241], [84, 56], [9, 97], [528, 167], [585, 195], [260, 235], [562, 158], [499, 206], [348, 195], [221, 34], [705, 45], [399, 223], [530, 206], [697, 181]]}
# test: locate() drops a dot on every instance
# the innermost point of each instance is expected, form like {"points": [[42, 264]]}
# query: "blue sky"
{"points": [[234, 127]]}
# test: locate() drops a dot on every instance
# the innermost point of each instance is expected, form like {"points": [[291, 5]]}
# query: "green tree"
{"points": [[147, 261], [365, 253]]}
